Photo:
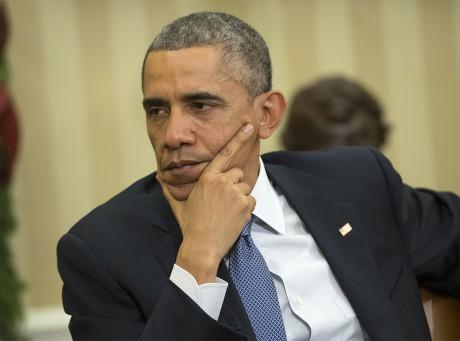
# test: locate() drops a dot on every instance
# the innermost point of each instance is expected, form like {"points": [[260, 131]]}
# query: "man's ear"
{"points": [[273, 108]]}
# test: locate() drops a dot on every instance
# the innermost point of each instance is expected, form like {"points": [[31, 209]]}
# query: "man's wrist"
{"points": [[199, 262]]}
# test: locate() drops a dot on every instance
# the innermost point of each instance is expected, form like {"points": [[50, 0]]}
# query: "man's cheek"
{"points": [[156, 150], [226, 134]]}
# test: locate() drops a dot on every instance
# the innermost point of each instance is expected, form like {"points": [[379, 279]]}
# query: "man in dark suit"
{"points": [[342, 239]]}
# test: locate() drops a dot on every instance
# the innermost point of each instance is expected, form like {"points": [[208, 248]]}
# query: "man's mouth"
{"points": [[179, 164], [183, 171]]}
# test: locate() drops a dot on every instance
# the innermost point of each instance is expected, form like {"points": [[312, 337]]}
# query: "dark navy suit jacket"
{"points": [[116, 261]]}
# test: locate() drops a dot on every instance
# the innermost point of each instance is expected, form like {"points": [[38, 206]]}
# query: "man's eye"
{"points": [[199, 106], [156, 111]]}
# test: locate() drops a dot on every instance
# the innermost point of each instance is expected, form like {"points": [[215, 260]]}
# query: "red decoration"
{"points": [[9, 134]]}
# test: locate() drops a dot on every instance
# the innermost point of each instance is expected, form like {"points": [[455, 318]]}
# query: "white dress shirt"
{"points": [[312, 303]]}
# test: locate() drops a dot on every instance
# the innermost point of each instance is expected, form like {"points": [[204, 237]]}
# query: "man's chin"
{"points": [[181, 192]]}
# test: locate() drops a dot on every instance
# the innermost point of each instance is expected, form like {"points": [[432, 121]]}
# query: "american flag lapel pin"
{"points": [[345, 229]]}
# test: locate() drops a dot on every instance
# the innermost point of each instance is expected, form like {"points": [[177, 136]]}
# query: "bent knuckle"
{"points": [[240, 203], [222, 179], [236, 174], [239, 173], [236, 190]]}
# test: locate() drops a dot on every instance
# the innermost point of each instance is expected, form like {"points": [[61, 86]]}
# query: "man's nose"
{"points": [[179, 130]]}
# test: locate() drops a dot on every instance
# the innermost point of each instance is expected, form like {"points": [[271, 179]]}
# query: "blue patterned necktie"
{"points": [[254, 283]]}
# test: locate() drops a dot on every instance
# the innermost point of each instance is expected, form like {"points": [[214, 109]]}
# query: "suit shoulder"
{"points": [[128, 205], [338, 158], [349, 168]]}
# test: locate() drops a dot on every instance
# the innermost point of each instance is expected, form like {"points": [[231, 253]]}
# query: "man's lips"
{"points": [[183, 172], [180, 164]]}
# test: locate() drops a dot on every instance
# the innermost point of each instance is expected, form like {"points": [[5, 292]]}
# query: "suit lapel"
{"points": [[163, 218], [348, 256]]}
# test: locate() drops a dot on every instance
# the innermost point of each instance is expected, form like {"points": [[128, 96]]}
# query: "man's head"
{"points": [[334, 111], [205, 76]]}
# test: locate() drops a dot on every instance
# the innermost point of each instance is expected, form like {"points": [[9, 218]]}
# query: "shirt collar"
{"points": [[268, 207]]}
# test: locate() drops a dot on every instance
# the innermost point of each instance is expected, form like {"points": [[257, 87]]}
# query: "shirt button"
{"points": [[299, 301]]}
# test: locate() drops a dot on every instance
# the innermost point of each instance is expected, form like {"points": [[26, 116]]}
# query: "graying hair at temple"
{"points": [[245, 55]]}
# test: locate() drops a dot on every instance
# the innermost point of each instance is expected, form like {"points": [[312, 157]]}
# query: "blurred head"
{"points": [[205, 76], [331, 112]]}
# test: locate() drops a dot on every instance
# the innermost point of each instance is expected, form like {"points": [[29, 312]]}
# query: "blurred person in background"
{"points": [[338, 111], [331, 112]]}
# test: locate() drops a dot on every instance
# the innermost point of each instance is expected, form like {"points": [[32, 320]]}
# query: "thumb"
{"points": [[176, 205]]}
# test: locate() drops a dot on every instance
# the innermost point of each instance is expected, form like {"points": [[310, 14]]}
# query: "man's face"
{"points": [[193, 109]]}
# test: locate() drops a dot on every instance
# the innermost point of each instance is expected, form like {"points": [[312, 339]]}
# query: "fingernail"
{"points": [[247, 128]]}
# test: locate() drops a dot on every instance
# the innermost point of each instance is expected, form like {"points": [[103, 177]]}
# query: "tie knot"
{"points": [[247, 227]]}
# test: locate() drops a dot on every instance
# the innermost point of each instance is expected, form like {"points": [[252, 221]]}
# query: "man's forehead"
{"points": [[190, 65], [176, 73], [185, 91], [163, 76], [192, 56]]}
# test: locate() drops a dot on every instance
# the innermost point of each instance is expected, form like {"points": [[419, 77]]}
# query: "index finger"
{"points": [[223, 159]]}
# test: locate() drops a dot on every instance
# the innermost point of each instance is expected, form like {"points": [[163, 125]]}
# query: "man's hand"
{"points": [[215, 212]]}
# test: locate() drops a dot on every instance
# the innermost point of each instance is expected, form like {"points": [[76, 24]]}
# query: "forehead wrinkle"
{"points": [[179, 66]]}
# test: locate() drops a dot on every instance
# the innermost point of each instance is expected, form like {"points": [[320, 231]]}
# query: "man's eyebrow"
{"points": [[154, 102], [201, 95]]}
